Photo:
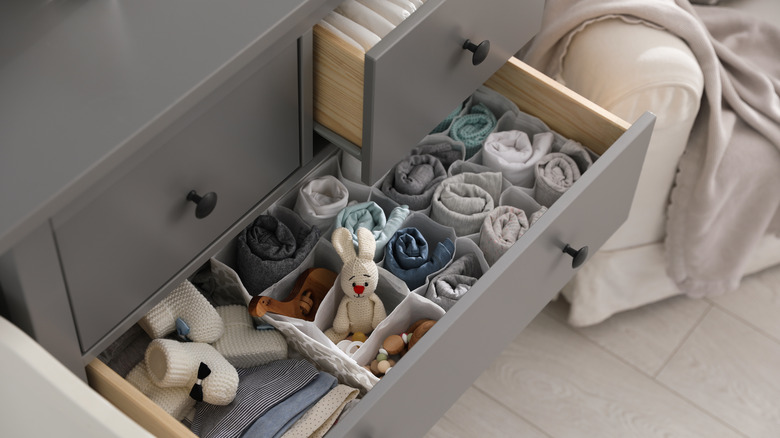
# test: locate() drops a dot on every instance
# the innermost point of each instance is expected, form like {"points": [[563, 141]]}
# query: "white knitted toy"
{"points": [[198, 320], [243, 345], [175, 401], [360, 309], [196, 366]]}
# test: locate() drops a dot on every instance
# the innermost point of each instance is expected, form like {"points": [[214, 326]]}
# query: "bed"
{"points": [[647, 68]]}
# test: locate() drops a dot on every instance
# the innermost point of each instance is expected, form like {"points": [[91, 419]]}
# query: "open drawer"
{"points": [[464, 342], [385, 100]]}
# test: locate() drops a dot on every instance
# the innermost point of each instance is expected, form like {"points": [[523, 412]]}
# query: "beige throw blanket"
{"points": [[727, 191]]}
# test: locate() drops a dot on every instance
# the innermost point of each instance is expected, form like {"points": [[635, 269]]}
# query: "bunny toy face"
{"points": [[359, 275]]}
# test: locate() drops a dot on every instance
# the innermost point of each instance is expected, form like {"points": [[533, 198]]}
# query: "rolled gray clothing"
{"points": [[271, 247], [554, 173], [463, 201], [446, 153], [447, 287], [413, 181], [501, 229]]}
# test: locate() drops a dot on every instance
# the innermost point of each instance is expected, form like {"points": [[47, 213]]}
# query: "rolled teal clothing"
{"points": [[371, 216], [407, 256], [444, 124], [472, 129], [281, 417]]}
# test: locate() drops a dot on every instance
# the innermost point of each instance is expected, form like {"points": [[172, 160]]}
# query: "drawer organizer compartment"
{"points": [[390, 96], [510, 290]]}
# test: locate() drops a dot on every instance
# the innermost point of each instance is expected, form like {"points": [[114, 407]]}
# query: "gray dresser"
{"points": [[138, 138]]}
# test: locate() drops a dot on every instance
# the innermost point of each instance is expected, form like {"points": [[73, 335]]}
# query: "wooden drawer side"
{"points": [[563, 110], [338, 85]]}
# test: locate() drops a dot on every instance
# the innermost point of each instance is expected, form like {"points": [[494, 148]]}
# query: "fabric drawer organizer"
{"points": [[442, 291]]}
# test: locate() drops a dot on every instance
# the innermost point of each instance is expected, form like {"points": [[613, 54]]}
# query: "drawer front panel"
{"points": [[420, 72], [126, 241], [445, 362]]}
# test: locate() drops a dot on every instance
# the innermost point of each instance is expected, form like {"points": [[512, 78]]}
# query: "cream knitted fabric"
{"points": [[320, 417], [243, 345], [175, 364], [175, 401], [188, 304]]}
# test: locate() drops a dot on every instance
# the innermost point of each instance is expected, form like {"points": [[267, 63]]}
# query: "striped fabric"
{"points": [[259, 389]]}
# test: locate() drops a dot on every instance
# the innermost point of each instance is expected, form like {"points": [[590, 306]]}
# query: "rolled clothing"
{"points": [[445, 124], [447, 153], [413, 181], [501, 229], [392, 12], [514, 154], [277, 420], [407, 256], [355, 31], [271, 247], [473, 128], [365, 17], [344, 37], [259, 389], [556, 172], [320, 200], [370, 215], [451, 284], [463, 201]]}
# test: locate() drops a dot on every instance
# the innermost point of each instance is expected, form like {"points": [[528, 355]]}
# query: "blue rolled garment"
{"points": [[370, 215], [407, 256], [276, 421]]}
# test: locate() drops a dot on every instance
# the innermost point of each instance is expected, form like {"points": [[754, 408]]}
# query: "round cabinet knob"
{"points": [[480, 52], [205, 204], [578, 255]]}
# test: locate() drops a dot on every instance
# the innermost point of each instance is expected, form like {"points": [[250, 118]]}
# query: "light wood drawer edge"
{"points": [[563, 110], [338, 85], [133, 403]]}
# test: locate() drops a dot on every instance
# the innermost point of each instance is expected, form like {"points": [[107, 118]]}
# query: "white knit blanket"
{"points": [[727, 191]]}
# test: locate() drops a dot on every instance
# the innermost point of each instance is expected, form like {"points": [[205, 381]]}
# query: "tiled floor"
{"points": [[678, 368]]}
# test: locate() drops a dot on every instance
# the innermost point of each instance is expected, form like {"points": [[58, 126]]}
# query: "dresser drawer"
{"points": [[121, 244], [461, 345], [387, 99]]}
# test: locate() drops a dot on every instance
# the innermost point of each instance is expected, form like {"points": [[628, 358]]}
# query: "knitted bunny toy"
{"points": [[360, 309]]}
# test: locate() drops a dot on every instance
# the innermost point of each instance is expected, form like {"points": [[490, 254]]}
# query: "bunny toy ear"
{"points": [[342, 242], [366, 244]]}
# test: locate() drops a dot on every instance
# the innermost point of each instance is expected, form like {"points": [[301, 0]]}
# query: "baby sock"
{"points": [[175, 401], [187, 311], [243, 345]]}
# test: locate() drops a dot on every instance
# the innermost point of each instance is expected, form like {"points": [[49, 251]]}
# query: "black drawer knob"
{"points": [[578, 255], [205, 204], [480, 52]]}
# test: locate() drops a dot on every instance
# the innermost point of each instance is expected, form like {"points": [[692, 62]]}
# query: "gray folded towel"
{"points": [[446, 288], [463, 201], [271, 247], [413, 180]]}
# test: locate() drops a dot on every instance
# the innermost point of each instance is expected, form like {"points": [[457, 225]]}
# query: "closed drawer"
{"points": [[445, 362], [386, 100], [126, 241]]}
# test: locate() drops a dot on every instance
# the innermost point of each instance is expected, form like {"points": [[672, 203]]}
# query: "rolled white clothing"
{"points": [[406, 4], [514, 155], [365, 17], [360, 34], [320, 200], [417, 3], [349, 40], [390, 11]]}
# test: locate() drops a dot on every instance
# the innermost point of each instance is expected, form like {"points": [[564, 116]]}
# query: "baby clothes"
{"points": [[448, 286], [243, 345], [412, 181], [557, 171], [184, 310], [320, 200], [364, 37], [444, 149], [515, 155], [463, 201], [320, 418], [473, 128], [365, 17], [407, 256], [371, 216], [501, 229], [392, 12]]}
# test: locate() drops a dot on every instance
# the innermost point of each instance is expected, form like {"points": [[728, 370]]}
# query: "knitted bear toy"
{"points": [[360, 309]]}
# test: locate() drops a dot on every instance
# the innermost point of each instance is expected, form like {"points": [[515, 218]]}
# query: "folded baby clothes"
{"points": [[277, 420], [557, 171], [407, 256], [444, 148], [405, 4], [353, 30], [463, 201], [371, 216], [271, 247], [412, 181], [320, 200], [365, 17], [388, 10], [514, 154], [259, 389], [175, 401], [343, 36], [501, 229], [186, 311], [448, 286], [318, 420], [473, 128], [243, 345]]}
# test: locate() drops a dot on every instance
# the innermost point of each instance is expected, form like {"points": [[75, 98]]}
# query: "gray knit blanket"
{"points": [[727, 191]]}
